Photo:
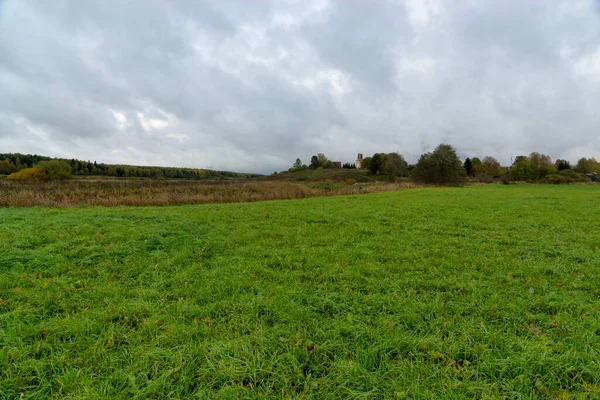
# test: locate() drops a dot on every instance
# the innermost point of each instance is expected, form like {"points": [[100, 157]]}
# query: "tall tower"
{"points": [[359, 159]]}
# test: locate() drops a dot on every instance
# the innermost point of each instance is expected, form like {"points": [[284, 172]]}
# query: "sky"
{"points": [[251, 85]]}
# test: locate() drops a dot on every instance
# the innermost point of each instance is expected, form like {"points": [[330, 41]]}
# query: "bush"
{"points": [[573, 176], [297, 169], [485, 179], [350, 181], [55, 169], [556, 179], [566, 176], [28, 174], [327, 186]]}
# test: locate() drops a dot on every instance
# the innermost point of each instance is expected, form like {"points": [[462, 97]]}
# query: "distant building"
{"points": [[359, 159], [338, 164]]}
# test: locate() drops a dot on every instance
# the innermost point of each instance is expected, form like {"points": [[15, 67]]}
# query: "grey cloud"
{"points": [[250, 86], [358, 37]]}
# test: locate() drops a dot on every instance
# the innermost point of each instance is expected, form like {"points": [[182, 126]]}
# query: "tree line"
{"points": [[319, 160], [392, 164], [11, 163], [443, 166]]}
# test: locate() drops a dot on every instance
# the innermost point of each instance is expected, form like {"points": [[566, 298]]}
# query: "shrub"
{"points": [[556, 179], [485, 179], [28, 174], [55, 169], [566, 176], [350, 181], [327, 187], [296, 169], [573, 176]]}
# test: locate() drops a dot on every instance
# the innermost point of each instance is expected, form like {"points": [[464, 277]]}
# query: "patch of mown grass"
{"points": [[477, 292]]}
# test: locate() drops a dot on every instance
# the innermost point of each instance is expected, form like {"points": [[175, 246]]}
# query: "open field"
{"points": [[128, 192], [476, 292]]}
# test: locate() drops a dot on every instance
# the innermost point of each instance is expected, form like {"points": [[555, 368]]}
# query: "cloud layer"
{"points": [[251, 85]]}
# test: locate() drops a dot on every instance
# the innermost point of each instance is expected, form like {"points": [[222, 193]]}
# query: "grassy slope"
{"points": [[473, 292]]}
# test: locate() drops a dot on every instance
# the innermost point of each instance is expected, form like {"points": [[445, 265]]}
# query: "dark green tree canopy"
{"points": [[376, 164], [468, 166], [562, 165], [366, 163], [314, 162], [440, 167], [13, 162], [395, 166], [320, 160]]}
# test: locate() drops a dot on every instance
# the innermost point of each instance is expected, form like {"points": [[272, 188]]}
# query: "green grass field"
{"points": [[476, 292]]}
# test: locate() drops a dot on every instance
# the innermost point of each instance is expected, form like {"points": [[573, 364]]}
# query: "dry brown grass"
{"points": [[81, 193]]}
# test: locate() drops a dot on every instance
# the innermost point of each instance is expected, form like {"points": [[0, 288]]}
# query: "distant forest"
{"points": [[14, 162]]}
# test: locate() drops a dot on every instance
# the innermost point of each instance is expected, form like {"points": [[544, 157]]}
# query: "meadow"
{"points": [[84, 192], [439, 293]]}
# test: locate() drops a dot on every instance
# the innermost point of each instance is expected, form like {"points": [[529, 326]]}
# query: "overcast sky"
{"points": [[250, 85]]}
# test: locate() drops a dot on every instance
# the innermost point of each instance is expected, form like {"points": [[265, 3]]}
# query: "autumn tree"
{"points": [[587, 165], [541, 165], [322, 159], [491, 167], [7, 167], [28, 174]]}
